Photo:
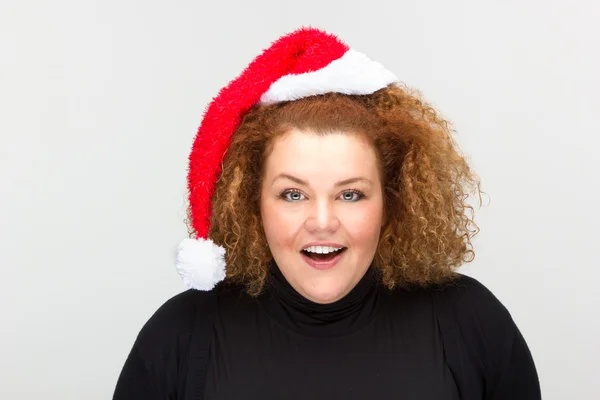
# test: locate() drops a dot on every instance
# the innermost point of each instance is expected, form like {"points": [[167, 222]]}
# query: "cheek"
{"points": [[280, 225], [364, 224], [269, 218]]}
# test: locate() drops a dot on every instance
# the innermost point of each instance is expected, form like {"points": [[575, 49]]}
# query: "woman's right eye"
{"points": [[291, 195]]}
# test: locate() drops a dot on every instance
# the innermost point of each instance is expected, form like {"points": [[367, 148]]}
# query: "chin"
{"points": [[325, 294]]}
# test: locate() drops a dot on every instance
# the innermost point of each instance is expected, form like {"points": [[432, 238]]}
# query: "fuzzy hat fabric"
{"points": [[306, 62]]}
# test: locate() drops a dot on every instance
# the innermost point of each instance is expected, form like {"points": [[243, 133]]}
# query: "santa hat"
{"points": [[304, 63]]}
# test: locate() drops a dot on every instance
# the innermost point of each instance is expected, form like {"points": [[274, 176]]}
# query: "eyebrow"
{"points": [[340, 183]]}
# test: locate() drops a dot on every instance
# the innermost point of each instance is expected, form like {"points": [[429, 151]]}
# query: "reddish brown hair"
{"points": [[426, 181]]}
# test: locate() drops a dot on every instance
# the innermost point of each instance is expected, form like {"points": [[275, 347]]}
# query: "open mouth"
{"points": [[323, 257]]}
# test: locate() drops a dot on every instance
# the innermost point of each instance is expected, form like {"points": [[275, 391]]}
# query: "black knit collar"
{"points": [[308, 318]]}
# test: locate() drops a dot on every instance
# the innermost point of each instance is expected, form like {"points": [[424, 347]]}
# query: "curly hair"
{"points": [[428, 224]]}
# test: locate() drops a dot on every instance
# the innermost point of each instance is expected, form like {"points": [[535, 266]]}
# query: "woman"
{"points": [[328, 216]]}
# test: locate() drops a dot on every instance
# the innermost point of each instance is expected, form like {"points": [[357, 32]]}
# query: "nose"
{"points": [[322, 217]]}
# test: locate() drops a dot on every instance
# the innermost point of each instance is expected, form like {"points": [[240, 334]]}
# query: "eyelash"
{"points": [[283, 194]]}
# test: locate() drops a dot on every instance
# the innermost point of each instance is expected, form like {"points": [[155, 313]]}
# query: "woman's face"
{"points": [[322, 190]]}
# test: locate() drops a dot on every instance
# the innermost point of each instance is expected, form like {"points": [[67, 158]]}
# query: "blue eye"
{"points": [[295, 196], [291, 195], [352, 195]]}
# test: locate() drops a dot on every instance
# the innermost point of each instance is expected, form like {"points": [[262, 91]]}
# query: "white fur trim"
{"points": [[353, 73], [200, 263]]}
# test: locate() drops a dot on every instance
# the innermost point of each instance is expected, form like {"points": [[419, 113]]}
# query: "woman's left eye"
{"points": [[352, 195]]}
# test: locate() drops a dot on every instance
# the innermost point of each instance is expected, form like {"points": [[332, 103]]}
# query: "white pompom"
{"points": [[200, 263]]}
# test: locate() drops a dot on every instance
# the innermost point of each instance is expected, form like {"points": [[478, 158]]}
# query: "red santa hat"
{"points": [[304, 63]]}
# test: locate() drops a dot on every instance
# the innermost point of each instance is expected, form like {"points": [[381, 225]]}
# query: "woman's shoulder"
{"points": [[163, 345], [474, 323], [471, 317], [464, 303], [462, 287], [461, 302], [467, 296], [459, 291], [174, 319]]}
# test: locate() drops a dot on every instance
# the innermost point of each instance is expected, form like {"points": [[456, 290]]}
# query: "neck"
{"points": [[309, 318]]}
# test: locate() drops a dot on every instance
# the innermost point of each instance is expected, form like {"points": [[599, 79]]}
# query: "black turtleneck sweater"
{"points": [[449, 342]]}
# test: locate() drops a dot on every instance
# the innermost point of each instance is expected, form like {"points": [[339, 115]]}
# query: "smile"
{"points": [[325, 259]]}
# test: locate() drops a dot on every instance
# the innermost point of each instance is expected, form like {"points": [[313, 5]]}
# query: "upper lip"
{"points": [[324, 244]]}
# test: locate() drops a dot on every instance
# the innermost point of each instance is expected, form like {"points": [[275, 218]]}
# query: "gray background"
{"points": [[99, 103]]}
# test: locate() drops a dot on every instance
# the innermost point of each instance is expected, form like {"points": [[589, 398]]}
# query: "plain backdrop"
{"points": [[100, 101]]}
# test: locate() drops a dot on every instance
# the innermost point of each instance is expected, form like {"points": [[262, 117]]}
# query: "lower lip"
{"points": [[323, 265]]}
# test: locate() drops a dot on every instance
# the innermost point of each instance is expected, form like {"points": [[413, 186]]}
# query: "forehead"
{"points": [[307, 153]]}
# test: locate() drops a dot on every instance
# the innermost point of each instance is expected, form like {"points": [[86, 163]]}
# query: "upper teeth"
{"points": [[322, 249]]}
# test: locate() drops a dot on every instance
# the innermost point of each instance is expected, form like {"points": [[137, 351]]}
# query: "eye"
{"points": [[291, 195], [352, 195]]}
